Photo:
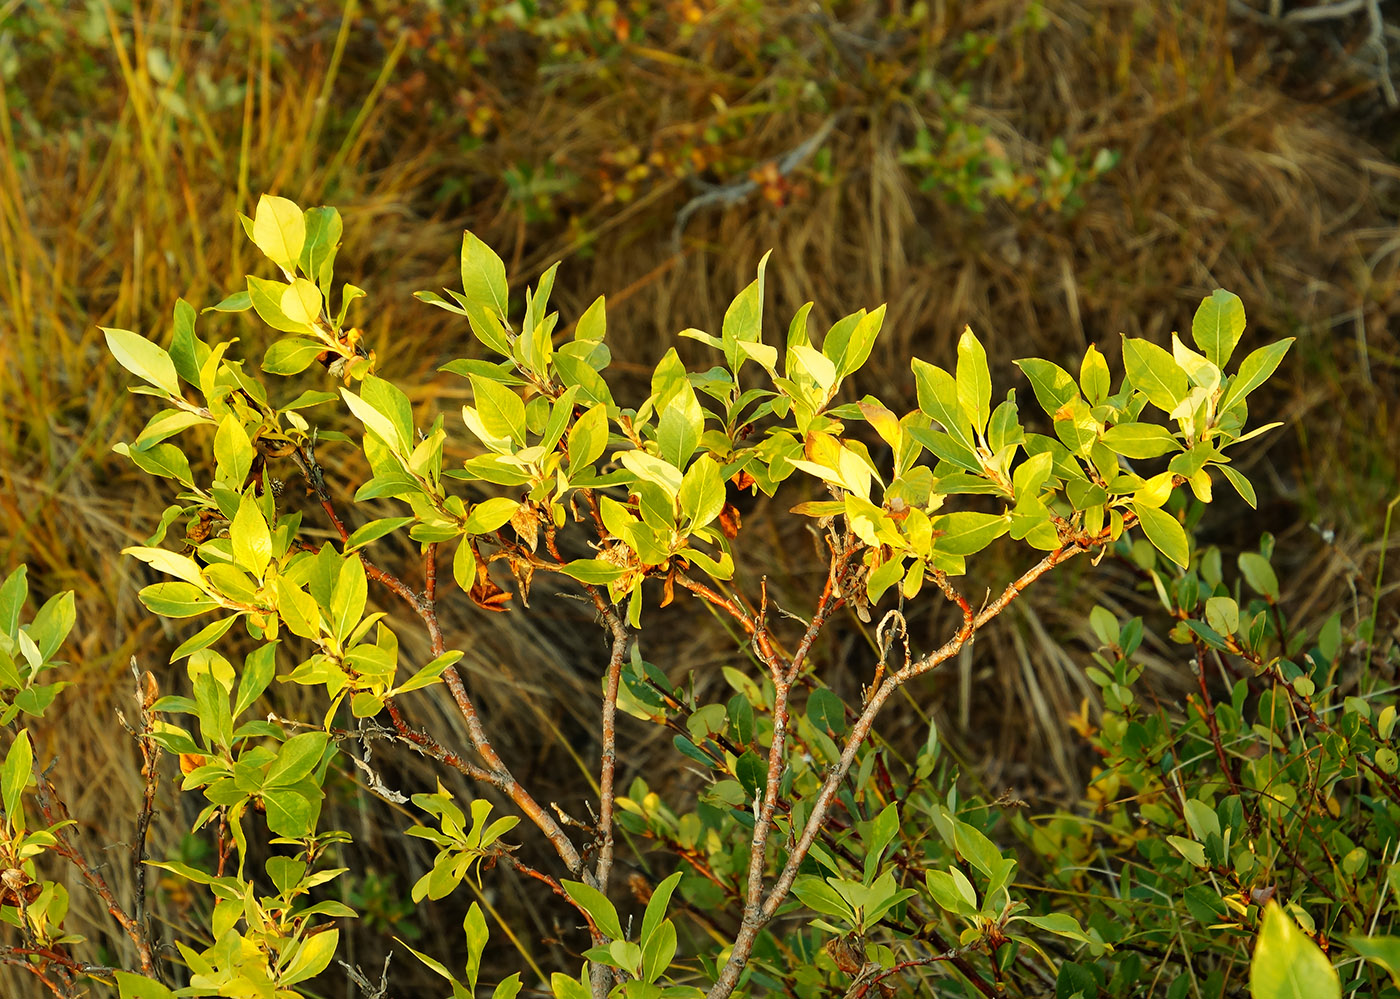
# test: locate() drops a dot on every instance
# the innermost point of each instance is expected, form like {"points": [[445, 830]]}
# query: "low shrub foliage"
{"points": [[1247, 835]]}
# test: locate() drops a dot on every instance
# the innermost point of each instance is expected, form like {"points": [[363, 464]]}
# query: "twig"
{"points": [[731, 194], [146, 694], [753, 922]]}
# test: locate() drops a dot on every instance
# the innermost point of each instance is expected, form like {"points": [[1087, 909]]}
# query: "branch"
{"points": [[748, 933]]}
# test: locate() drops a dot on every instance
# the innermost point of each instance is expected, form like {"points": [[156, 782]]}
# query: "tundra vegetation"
{"points": [[1244, 838]]}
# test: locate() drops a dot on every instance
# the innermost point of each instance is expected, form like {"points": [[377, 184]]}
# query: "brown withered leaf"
{"points": [[526, 521], [150, 691], [18, 888], [729, 521], [524, 571], [484, 592], [190, 762], [668, 587], [204, 527], [848, 952], [742, 480]]}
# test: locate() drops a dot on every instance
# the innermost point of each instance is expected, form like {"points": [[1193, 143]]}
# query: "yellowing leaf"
{"points": [[279, 230], [143, 359], [248, 533], [301, 302]]}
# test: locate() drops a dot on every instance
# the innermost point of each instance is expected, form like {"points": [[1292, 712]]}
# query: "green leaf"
{"points": [[507, 988], [816, 894], [430, 673], [238, 301], [1155, 373], [596, 904], [176, 599], [1164, 531], [15, 775], [1060, 924], [1259, 574], [501, 410], [1242, 485], [12, 596], [938, 398], [682, 422], [52, 623], [593, 324], [974, 381], [165, 423], [484, 293], [1217, 326], [389, 399], [1384, 951], [564, 987], [656, 906], [1254, 371], [592, 570], [490, 514], [348, 598], [701, 494], [1194, 852], [1052, 384], [658, 950], [1140, 440], [259, 667], [143, 359], [298, 609], [279, 230], [853, 348], [967, 533], [1287, 964], [373, 531], [743, 320], [1093, 376], [464, 566], [165, 460], [323, 232], [131, 986], [296, 759], [588, 438], [203, 638]]}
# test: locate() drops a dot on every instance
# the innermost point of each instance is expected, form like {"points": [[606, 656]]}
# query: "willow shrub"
{"points": [[1262, 817]]}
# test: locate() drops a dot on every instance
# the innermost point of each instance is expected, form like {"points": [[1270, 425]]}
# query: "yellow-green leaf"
{"points": [[1287, 964]]}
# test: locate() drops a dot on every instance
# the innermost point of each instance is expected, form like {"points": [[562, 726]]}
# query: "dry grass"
{"points": [[120, 183]]}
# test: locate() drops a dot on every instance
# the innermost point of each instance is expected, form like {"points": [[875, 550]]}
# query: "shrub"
{"points": [[813, 857]]}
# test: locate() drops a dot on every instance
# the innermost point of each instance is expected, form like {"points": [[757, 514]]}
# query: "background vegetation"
{"points": [[1053, 174]]}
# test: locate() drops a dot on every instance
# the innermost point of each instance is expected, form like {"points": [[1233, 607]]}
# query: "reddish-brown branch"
{"points": [[862, 986], [496, 772], [62, 990], [53, 811]]}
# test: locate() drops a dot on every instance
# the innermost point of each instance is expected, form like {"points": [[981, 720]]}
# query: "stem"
{"points": [[753, 922], [425, 606]]}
